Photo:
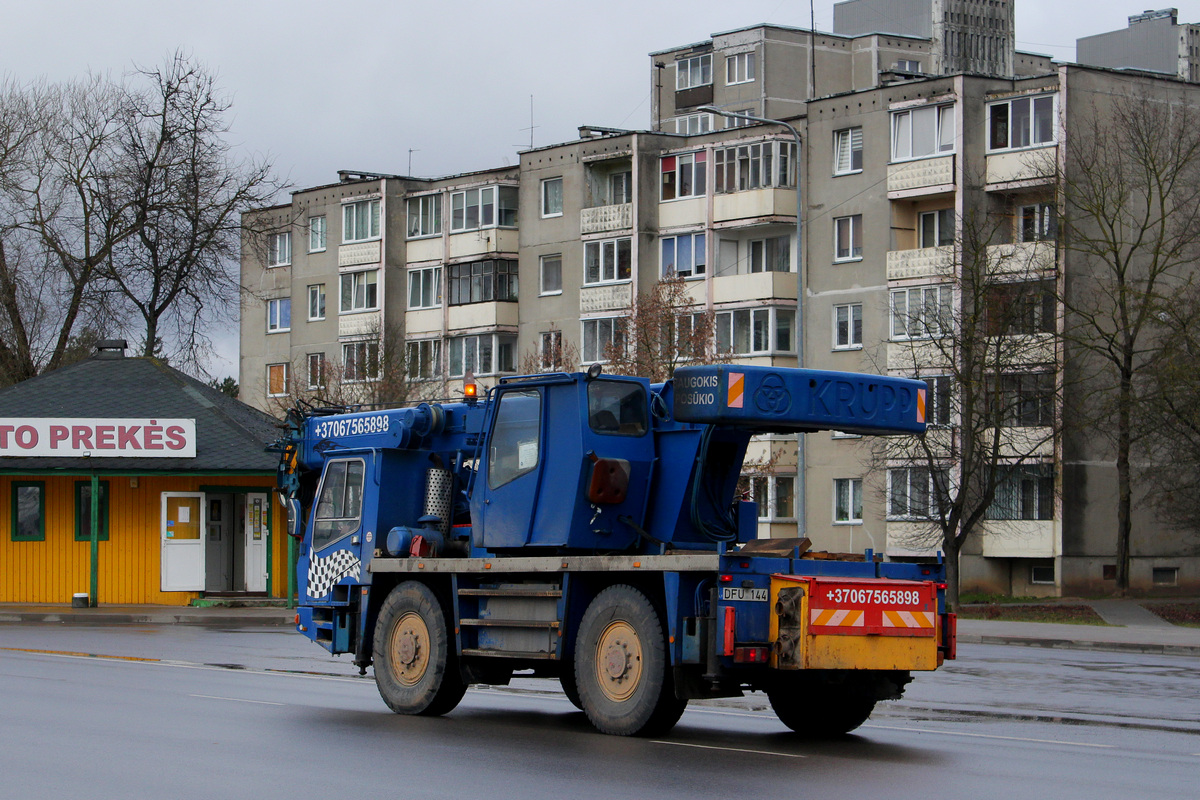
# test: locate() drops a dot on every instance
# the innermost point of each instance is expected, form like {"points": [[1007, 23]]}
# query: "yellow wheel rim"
{"points": [[409, 647], [619, 661]]}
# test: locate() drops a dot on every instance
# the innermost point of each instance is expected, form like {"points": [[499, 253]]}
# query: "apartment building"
{"points": [[1153, 42], [538, 266]]}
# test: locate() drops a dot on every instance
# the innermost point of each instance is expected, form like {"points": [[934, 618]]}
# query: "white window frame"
{"points": [[694, 124], [608, 260], [318, 360], [543, 274], [316, 302], [944, 131], [552, 206], [693, 72], [550, 345], [351, 359], [1045, 222], [845, 317], [426, 356], [940, 219], [739, 122], [847, 498], [284, 382], [424, 216], [503, 347], [939, 401], [740, 68], [757, 165], [485, 200], [850, 228], [760, 258], [765, 490], [669, 251], [847, 143], [908, 65], [347, 303], [731, 326], [318, 234], [279, 249], [903, 322], [351, 222], [910, 478], [277, 310], [1030, 131], [426, 283], [1021, 491], [694, 165], [597, 334]]}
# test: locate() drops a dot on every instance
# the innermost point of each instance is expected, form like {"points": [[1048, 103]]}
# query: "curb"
{"points": [[105, 619], [1075, 644]]}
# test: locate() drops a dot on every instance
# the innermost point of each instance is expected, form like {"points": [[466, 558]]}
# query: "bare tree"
{"points": [[664, 331], [984, 340], [553, 353], [1131, 223]]}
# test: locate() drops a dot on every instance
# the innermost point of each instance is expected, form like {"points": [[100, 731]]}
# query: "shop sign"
{"points": [[43, 437]]}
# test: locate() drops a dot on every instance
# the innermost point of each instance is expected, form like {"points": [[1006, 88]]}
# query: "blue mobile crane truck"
{"points": [[588, 527]]}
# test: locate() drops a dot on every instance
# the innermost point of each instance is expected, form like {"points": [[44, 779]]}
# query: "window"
{"points": [[774, 494], [922, 132], [1020, 308], [1164, 576], [750, 331], [486, 354], [83, 512], [617, 407], [423, 359], [938, 398], [552, 197], [1042, 573], [482, 281], [360, 221], [1023, 491], [695, 71], [477, 208], [424, 216], [936, 228], [754, 166], [771, 255], [739, 122], [922, 312], [1023, 400], [847, 151], [908, 65], [550, 350], [847, 327], [316, 234], [425, 287], [515, 443], [683, 255], [847, 501], [316, 370], [607, 261], [847, 238], [1021, 122], [739, 68], [339, 503], [692, 124], [1037, 223], [683, 176], [360, 361], [279, 315], [620, 188], [279, 249], [316, 302], [551, 274], [277, 379], [28, 511], [360, 291], [913, 492], [600, 336]]}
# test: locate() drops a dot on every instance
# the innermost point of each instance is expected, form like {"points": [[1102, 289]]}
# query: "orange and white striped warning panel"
{"points": [[864, 606]]}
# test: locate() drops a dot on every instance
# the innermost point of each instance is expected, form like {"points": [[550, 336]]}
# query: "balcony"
{"points": [[754, 203], [695, 96], [606, 218], [482, 242], [1021, 259], [912, 539], [426, 320], [482, 315], [907, 356], [609, 297], [755, 286], [350, 255], [1034, 167], [678, 213], [1019, 538], [364, 323], [924, 262], [417, 250], [922, 177]]}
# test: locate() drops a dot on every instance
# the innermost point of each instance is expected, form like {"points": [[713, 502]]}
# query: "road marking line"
{"points": [[74, 654], [237, 699], [989, 736], [729, 749]]}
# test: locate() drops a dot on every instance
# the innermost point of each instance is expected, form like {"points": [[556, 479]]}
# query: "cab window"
{"points": [[339, 504], [516, 437], [618, 408]]}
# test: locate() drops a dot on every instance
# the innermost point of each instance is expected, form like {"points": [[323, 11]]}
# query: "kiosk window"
{"points": [[516, 437], [617, 407], [339, 509]]}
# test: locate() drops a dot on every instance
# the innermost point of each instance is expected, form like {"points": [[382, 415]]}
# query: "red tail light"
{"points": [[727, 644]]}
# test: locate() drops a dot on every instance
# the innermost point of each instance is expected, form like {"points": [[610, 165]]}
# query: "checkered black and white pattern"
{"points": [[324, 573]]}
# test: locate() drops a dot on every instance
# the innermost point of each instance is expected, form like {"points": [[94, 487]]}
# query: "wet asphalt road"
{"points": [[263, 714]]}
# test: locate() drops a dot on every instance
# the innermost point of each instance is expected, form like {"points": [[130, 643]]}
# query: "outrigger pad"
{"points": [[776, 547]]}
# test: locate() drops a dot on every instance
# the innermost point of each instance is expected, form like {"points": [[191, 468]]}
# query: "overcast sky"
{"points": [[320, 87]]}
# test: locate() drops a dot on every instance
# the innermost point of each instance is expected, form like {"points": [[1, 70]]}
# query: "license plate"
{"points": [[738, 593]]}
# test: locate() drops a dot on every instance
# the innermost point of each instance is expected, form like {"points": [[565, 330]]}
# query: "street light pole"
{"points": [[801, 483]]}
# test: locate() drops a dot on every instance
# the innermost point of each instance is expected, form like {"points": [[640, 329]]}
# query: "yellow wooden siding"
{"points": [[52, 570]]}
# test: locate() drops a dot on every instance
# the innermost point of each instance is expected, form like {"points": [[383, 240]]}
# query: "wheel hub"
{"points": [[619, 658], [410, 649]]}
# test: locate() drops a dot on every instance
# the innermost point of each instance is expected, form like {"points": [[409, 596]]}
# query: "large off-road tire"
{"points": [[415, 667], [621, 666], [569, 686], [822, 706]]}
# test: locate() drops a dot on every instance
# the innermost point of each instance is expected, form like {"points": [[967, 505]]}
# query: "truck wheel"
{"points": [[569, 686], [820, 709], [415, 668], [621, 669]]}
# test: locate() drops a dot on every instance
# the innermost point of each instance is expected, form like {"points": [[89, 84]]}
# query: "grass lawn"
{"points": [[1031, 612]]}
